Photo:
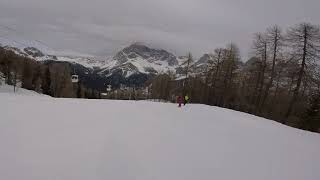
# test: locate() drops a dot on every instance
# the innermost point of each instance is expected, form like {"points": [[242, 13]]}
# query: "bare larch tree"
{"points": [[304, 39]]}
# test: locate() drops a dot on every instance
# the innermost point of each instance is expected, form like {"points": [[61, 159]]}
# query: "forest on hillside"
{"points": [[48, 77], [281, 80]]}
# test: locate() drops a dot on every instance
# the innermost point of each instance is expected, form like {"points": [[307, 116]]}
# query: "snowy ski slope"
{"points": [[43, 138]]}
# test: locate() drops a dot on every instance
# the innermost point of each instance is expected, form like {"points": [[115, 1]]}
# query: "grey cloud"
{"points": [[101, 27]]}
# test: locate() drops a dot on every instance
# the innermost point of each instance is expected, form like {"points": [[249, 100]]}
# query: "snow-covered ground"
{"points": [[4, 88], [43, 138]]}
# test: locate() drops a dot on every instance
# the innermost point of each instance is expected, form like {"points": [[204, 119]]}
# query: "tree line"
{"points": [[50, 78], [280, 81]]}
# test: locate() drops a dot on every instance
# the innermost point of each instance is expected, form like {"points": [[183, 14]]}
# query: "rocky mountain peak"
{"points": [[141, 51], [205, 59], [34, 52]]}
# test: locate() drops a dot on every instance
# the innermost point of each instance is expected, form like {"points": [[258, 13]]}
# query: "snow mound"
{"points": [[4, 88], [47, 138]]}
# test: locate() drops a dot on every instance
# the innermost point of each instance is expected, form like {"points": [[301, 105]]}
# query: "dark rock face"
{"points": [[34, 52], [180, 70], [53, 57], [202, 64], [15, 50], [132, 55], [205, 59], [124, 69], [150, 70], [120, 58]]}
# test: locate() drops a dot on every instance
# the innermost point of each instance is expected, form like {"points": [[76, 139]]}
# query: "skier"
{"points": [[186, 100], [179, 100]]}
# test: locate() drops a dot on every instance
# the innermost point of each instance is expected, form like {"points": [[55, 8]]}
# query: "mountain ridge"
{"points": [[137, 57], [131, 66]]}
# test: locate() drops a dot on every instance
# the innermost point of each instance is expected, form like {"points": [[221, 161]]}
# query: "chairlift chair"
{"points": [[74, 78], [109, 88]]}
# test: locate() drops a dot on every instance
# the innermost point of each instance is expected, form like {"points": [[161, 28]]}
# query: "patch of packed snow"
{"points": [[182, 77], [89, 62], [182, 60], [7, 89], [47, 138]]}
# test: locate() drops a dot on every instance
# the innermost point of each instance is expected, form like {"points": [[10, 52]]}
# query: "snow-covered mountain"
{"points": [[134, 59], [138, 58], [133, 65], [34, 53]]}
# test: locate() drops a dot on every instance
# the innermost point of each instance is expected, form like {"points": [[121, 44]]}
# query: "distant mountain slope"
{"points": [[133, 64]]}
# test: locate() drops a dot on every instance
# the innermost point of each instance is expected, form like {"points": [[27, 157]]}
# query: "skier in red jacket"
{"points": [[180, 100]]}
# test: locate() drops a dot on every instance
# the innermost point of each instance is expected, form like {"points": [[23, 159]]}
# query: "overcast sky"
{"points": [[102, 27]]}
